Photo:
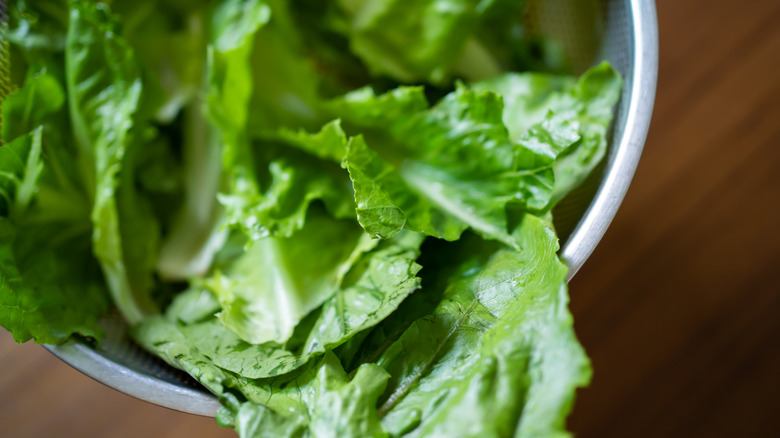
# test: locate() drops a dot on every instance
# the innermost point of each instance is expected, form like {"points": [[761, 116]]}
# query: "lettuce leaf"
{"points": [[169, 38], [411, 41], [27, 109], [459, 169], [52, 287], [373, 285], [104, 89], [43, 297], [274, 198], [497, 357], [586, 102], [263, 299]]}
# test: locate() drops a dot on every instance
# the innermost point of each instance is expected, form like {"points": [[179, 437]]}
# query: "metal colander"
{"points": [[623, 32]]}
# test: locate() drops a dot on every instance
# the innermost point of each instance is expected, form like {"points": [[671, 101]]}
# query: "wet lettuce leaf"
{"points": [[497, 357], [585, 102], [264, 294], [284, 183], [354, 285], [453, 167], [292, 181]]}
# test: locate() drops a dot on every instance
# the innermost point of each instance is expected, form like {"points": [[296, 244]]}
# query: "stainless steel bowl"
{"points": [[621, 31]]}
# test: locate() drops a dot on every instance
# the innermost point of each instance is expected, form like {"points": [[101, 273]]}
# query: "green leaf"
{"points": [[216, 156], [139, 227], [194, 305], [26, 109], [264, 300], [169, 40], [234, 25], [256, 421], [284, 78], [20, 166], [368, 288], [339, 407], [329, 144], [274, 198], [497, 357], [104, 89], [459, 170], [278, 209], [163, 338], [411, 41], [51, 285], [320, 400], [586, 103], [363, 109], [262, 295]]}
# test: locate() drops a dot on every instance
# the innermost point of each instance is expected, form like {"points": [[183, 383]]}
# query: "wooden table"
{"points": [[679, 307]]}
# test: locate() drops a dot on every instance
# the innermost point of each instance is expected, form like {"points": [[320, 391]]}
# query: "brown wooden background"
{"points": [[679, 307]]}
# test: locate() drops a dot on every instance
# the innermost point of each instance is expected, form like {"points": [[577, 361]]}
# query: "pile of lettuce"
{"points": [[335, 215]]}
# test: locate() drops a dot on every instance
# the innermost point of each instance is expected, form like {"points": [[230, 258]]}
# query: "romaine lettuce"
{"points": [[335, 215]]}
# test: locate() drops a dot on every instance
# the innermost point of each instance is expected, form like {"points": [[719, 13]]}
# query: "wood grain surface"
{"points": [[679, 306]]}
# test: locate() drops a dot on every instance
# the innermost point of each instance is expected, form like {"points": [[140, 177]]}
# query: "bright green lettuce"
{"points": [[335, 215], [585, 102], [383, 278], [459, 169], [263, 294], [497, 357], [104, 88], [411, 41], [51, 287]]}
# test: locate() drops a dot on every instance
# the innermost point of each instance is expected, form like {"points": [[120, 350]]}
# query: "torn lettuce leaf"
{"points": [[274, 198], [51, 287], [369, 287], [453, 167], [263, 296], [586, 102], [292, 183], [498, 357]]}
